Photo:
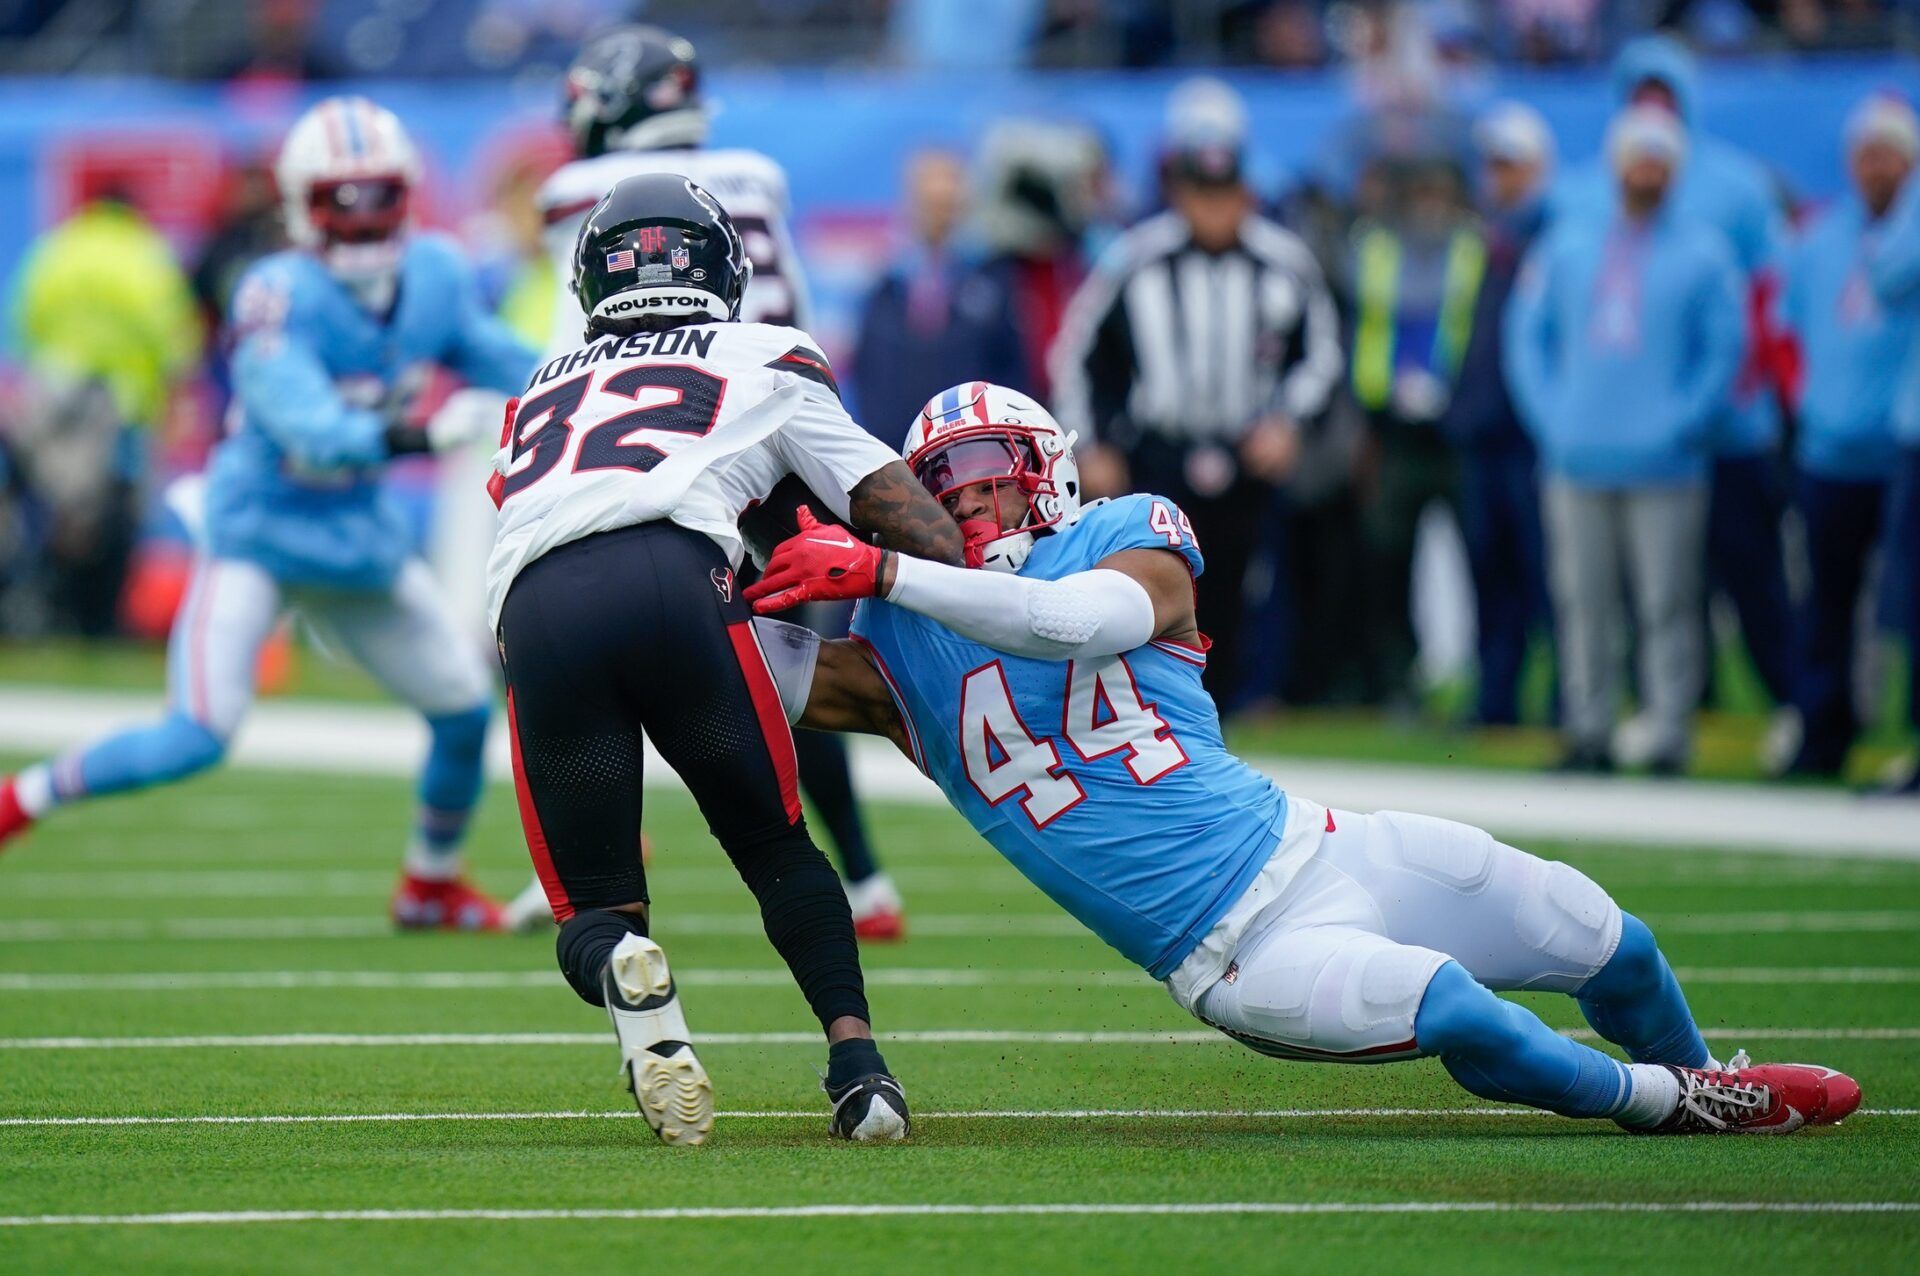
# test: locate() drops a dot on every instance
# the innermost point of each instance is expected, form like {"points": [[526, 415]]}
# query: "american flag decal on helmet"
{"points": [[622, 260]]}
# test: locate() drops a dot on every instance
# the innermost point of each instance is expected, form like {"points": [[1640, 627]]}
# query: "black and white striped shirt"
{"points": [[1196, 346]]}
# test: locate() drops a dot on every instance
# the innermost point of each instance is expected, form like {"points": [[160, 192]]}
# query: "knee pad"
{"points": [[1457, 856], [1386, 986], [1565, 915]]}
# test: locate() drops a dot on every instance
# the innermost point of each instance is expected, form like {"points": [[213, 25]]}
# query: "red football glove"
{"points": [[818, 563], [497, 482]]}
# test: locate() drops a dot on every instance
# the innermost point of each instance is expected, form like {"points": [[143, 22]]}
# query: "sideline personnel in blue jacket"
{"points": [[1622, 341], [1852, 347]]}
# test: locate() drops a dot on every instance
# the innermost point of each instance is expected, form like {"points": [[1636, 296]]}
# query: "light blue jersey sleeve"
{"points": [[484, 351], [1139, 521], [282, 382]]}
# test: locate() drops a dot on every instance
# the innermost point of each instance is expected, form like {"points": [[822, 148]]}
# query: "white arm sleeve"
{"points": [[828, 449], [793, 651], [1100, 612]]}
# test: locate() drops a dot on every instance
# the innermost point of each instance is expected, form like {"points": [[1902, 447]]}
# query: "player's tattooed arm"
{"points": [[848, 694], [892, 503]]}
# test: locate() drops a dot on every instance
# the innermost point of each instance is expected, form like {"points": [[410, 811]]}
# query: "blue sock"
{"points": [[1636, 1003], [451, 780], [171, 749], [1502, 1051]]}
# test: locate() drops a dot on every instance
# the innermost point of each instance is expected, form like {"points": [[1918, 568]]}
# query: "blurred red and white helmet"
{"points": [[347, 172], [978, 432]]}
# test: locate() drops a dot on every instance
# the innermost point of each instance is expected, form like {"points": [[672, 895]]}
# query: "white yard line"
{"points": [[988, 1114], [230, 1218], [937, 925], [1813, 921], [938, 1036], [314, 736], [896, 977], [774, 977]]}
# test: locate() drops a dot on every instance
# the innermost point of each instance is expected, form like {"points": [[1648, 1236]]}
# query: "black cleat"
{"points": [[869, 1109]]}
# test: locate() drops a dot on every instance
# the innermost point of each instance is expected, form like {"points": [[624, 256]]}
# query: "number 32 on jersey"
{"points": [[1103, 714]]}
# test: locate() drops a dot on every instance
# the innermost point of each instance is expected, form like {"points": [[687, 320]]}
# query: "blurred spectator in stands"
{"points": [[1284, 34], [246, 228], [1547, 32], [965, 35], [1195, 353], [1499, 505], [1622, 339], [1413, 270], [1893, 268], [1851, 351], [1044, 189], [934, 319], [1732, 191], [104, 324], [282, 48]]}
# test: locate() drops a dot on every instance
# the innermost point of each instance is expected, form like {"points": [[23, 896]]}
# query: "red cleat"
{"points": [[879, 916], [881, 928], [1774, 1098], [14, 819], [455, 904]]}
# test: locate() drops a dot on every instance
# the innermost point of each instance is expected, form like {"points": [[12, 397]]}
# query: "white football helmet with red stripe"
{"points": [[978, 432], [347, 172]]}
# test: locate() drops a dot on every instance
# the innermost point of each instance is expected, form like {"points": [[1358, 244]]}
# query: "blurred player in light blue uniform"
{"points": [[331, 340], [1056, 700]]}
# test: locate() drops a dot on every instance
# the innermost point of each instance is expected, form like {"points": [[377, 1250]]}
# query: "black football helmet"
{"points": [[634, 88], [655, 252]]}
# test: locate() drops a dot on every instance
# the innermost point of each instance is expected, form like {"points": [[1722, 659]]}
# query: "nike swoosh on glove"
{"points": [[820, 562]]}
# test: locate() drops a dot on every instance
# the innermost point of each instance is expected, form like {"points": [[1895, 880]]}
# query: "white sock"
{"points": [[430, 865], [34, 788], [1652, 1094]]}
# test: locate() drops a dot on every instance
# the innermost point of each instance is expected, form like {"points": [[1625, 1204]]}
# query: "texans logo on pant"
{"points": [[723, 583]]}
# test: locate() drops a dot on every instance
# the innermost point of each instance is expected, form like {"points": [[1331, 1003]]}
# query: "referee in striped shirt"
{"points": [[1189, 361]]}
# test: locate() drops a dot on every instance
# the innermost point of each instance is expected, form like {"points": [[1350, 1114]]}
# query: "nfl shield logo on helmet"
{"points": [[680, 258], [622, 260]]}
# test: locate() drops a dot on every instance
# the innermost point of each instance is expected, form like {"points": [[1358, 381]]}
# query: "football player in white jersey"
{"points": [[634, 106], [621, 480]]}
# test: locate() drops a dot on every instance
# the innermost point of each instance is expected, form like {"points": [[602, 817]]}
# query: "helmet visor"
{"points": [[975, 460], [359, 210]]}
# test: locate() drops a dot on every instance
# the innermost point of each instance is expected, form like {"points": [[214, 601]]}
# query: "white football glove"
{"points": [[467, 416]]}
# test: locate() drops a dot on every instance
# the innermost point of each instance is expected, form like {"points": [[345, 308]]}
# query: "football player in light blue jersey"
{"points": [[331, 339], [1055, 698]]}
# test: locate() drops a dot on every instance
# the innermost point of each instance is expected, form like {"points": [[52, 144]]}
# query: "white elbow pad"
{"points": [[792, 652], [1092, 613]]}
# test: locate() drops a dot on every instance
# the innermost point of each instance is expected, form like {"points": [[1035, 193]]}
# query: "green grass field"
{"points": [[243, 880]]}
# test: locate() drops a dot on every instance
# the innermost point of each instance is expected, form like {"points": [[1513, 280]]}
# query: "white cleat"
{"points": [[528, 911], [669, 1085]]}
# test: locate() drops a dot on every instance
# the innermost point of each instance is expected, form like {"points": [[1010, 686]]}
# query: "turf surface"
{"points": [[250, 879]]}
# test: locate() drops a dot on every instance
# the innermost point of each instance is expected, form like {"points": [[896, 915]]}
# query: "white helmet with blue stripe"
{"points": [[347, 172], [979, 432]]}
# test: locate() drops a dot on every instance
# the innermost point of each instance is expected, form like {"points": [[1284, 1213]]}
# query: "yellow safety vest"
{"points": [[1379, 289]]}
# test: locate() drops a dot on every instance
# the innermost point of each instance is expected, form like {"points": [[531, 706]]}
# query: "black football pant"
{"points": [[642, 629]]}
